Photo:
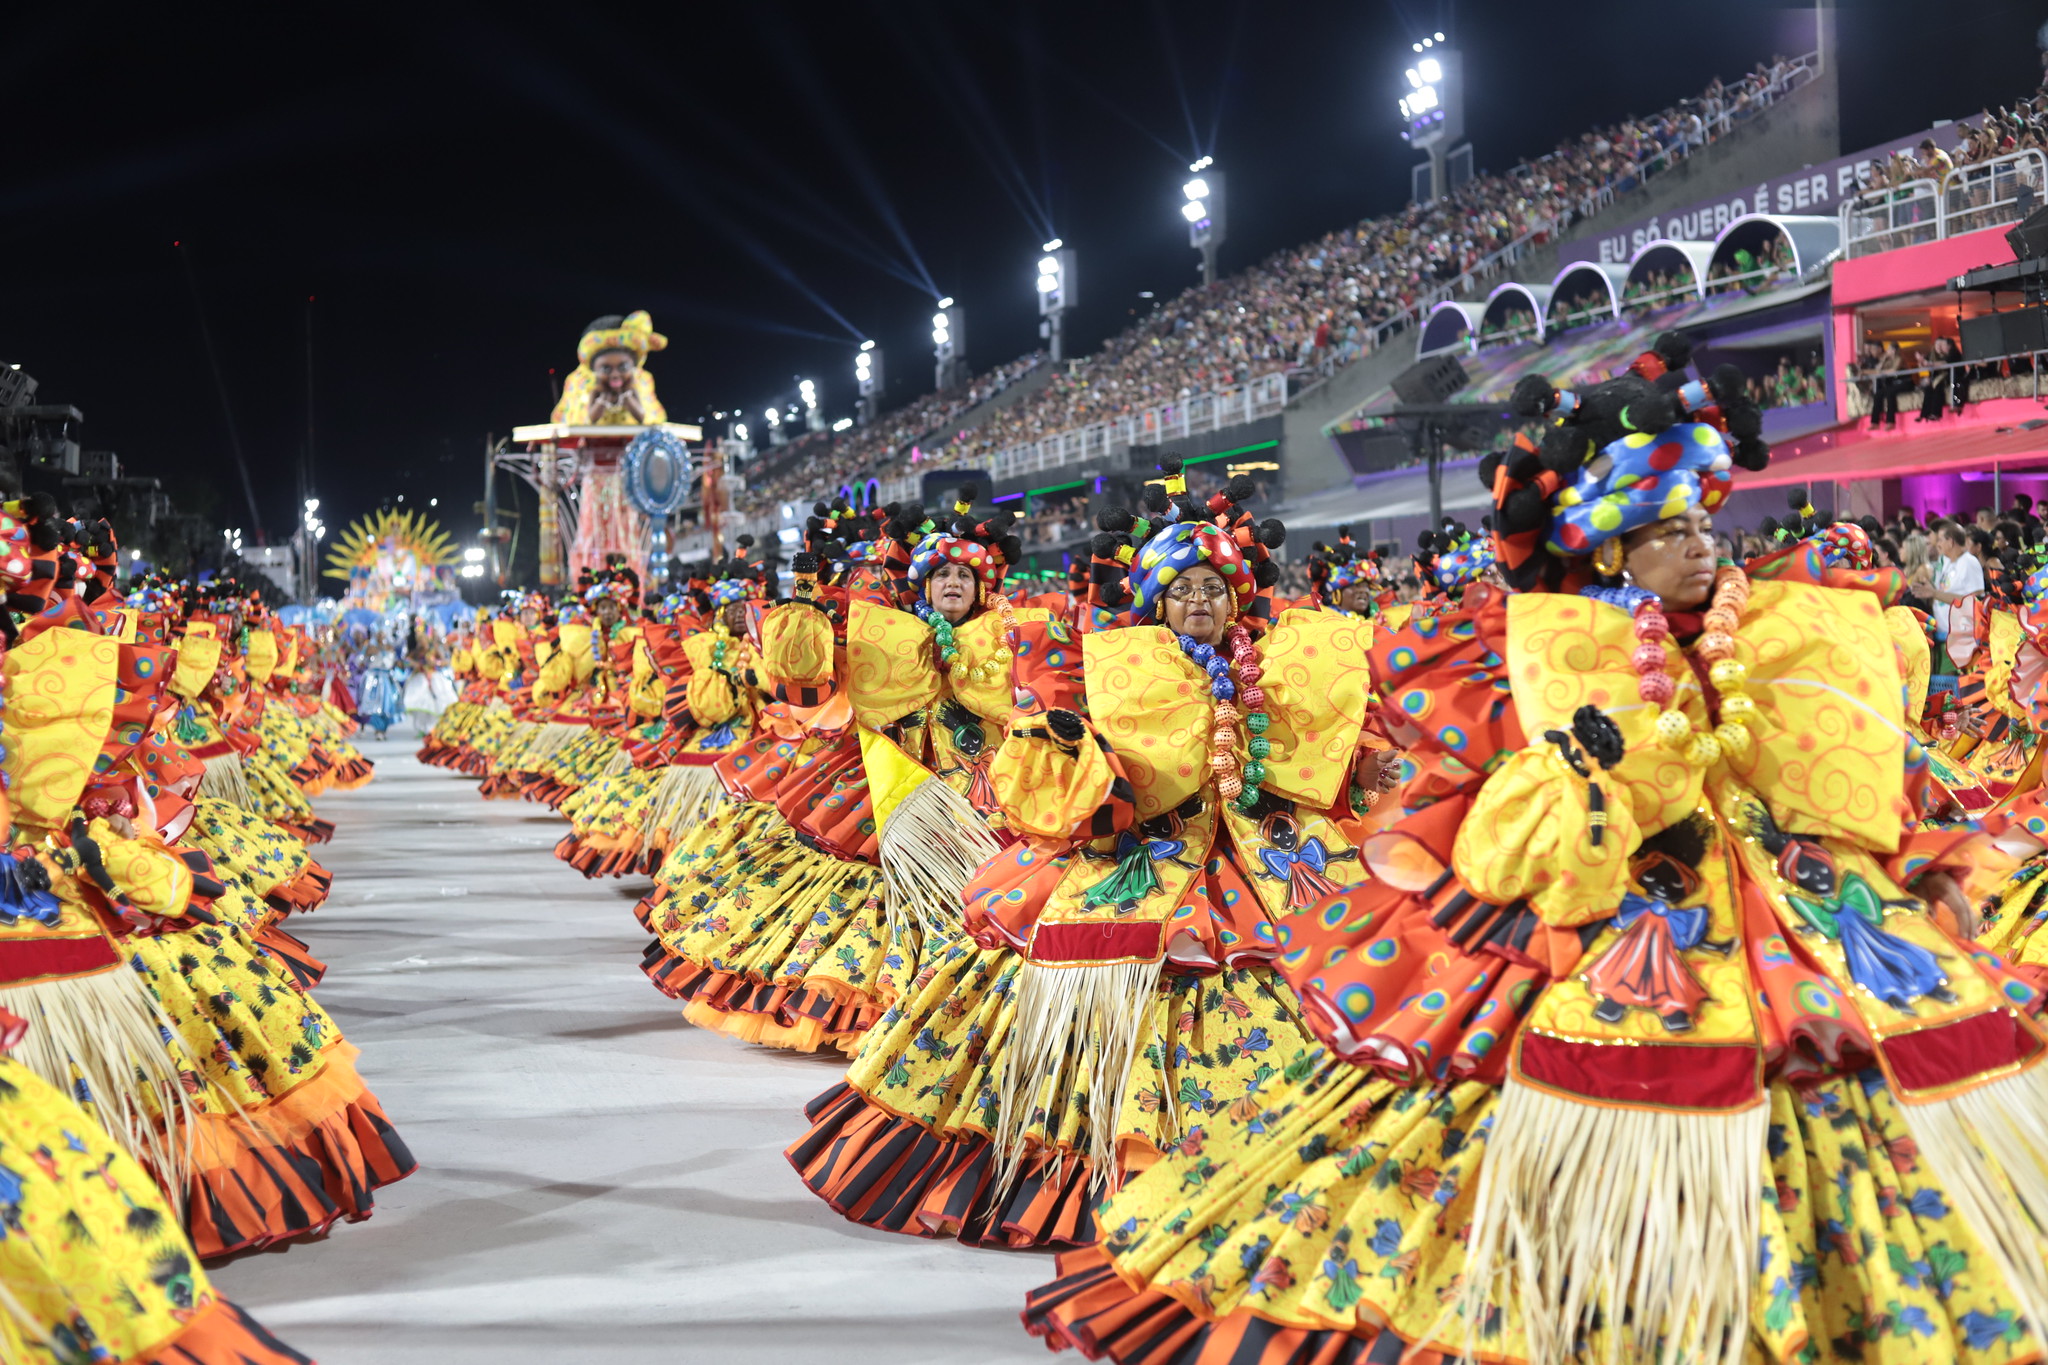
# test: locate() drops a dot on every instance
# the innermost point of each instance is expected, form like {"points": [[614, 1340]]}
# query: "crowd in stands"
{"points": [[1792, 383], [1749, 272], [1903, 216], [818, 461], [1316, 306], [1056, 521]]}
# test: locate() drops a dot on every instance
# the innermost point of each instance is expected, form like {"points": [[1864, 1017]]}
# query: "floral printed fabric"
{"points": [[88, 1250], [1213, 1043], [1337, 1200]]}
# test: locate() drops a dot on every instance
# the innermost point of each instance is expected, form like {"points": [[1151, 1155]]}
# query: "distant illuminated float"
{"points": [[393, 559]]}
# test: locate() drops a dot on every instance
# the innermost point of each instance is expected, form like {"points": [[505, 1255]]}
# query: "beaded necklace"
{"points": [[1716, 645], [942, 631], [1238, 782]]}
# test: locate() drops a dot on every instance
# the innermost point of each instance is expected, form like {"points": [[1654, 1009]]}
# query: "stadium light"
{"points": [[842, 424], [949, 345], [1204, 213], [867, 379], [1056, 294], [474, 554], [1433, 115]]}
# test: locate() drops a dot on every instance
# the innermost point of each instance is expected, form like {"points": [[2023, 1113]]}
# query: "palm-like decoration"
{"points": [[389, 530]]}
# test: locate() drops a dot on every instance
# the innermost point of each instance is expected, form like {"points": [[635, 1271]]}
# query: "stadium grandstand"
{"points": [[1730, 214], [1237, 349]]}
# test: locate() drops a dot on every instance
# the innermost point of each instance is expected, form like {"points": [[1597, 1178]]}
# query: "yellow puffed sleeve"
{"points": [[262, 656], [796, 648], [557, 673], [576, 647], [890, 669], [60, 706], [147, 874], [1048, 788], [1530, 834], [198, 660], [711, 695]]}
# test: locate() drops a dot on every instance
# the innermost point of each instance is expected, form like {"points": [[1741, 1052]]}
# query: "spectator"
{"points": [[1952, 588]]}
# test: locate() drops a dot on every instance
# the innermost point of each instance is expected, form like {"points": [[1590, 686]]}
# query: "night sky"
{"points": [[457, 191]]}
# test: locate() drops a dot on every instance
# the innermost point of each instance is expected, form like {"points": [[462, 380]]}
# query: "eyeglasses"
{"points": [[1209, 590]]}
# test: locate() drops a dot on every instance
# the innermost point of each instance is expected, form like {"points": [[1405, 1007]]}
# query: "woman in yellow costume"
{"points": [[695, 698], [1657, 1035], [93, 1266], [794, 915], [1114, 995]]}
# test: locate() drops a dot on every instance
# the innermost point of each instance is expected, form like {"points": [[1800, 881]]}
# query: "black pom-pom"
{"points": [[1795, 498], [1240, 489], [967, 494], [1010, 548], [1523, 510], [1767, 528], [1153, 499], [1652, 410], [1343, 533], [999, 522], [1105, 545], [1116, 520], [1533, 396], [1266, 575], [1065, 725], [1426, 543], [1674, 349], [744, 542], [804, 562], [1564, 450], [821, 508], [1170, 465], [1728, 386], [1272, 533]]}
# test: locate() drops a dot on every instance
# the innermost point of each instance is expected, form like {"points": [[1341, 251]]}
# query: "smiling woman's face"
{"points": [[950, 591], [1198, 605], [1674, 558]]}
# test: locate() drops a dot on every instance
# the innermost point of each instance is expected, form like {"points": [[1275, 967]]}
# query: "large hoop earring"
{"points": [[1609, 557]]}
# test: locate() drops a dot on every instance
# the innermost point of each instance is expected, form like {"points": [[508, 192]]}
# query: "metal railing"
{"points": [[1178, 420], [1903, 215], [1969, 198]]}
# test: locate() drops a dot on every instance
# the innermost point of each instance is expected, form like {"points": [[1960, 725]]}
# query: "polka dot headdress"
{"points": [[1638, 480], [986, 547]]}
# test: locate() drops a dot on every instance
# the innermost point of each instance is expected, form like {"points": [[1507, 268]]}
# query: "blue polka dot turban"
{"points": [[727, 591], [1639, 480], [1175, 549], [1464, 565]]}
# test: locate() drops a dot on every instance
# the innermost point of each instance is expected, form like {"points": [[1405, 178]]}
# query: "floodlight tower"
{"points": [[1433, 118], [776, 435], [1206, 212], [949, 344], [1056, 294], [814, 420], [867, 375]]}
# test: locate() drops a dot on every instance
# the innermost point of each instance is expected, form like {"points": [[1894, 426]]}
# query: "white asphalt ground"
{"points": [[599, 1181]]}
